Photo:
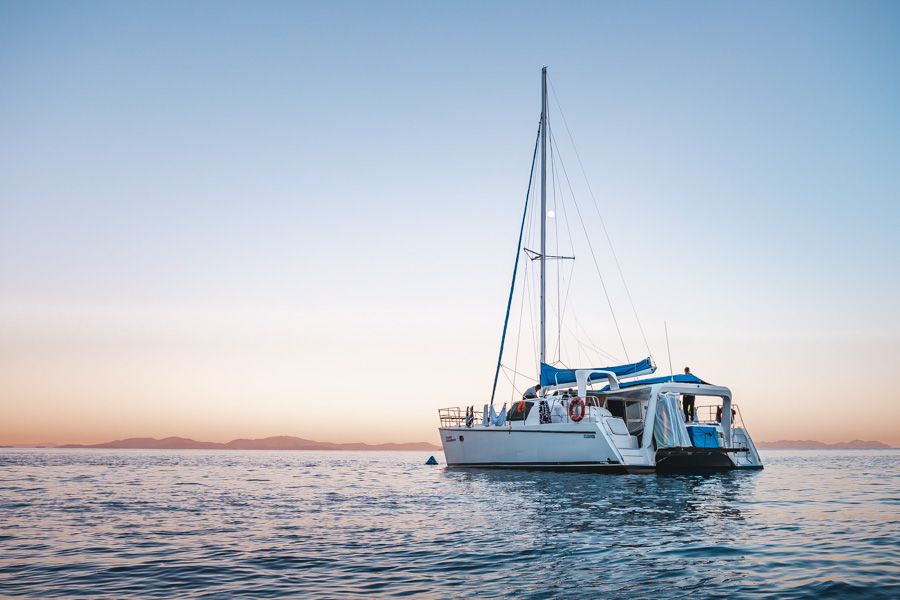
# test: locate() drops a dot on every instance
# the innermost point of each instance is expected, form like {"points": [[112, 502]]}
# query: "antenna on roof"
{"points": [[669, 351]]}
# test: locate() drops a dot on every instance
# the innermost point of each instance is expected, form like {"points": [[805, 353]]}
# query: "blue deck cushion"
{"points": [[703, 436]]}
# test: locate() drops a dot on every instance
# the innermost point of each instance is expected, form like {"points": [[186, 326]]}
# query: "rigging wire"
{"points": [[557, 265], [568, 290], [563, 305], [557, 183], [512, 384], [526, 297], [518, 340], [522, 375], [516, 266], [581, 344], [591, 247], [515, 390], [669, 352], [602, 354], [602, 221], [581, 360], [528, 286]]}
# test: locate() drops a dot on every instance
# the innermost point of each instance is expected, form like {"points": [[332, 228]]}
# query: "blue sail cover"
{"points": [[686, 378], [553, 376]]}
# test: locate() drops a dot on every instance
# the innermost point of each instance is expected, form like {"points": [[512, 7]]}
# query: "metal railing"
{"points": [[453, 417], [456, 416], [707, 413]]}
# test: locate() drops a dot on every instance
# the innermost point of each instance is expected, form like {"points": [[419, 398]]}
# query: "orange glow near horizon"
{"points": [[105, 376]]}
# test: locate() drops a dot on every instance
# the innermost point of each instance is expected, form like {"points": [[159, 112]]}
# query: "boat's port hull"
{"points": [[566, 446], [681, 460]]}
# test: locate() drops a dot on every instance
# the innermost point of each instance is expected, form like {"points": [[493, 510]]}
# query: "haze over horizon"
{"points": [[220, 220], [148, 442]]}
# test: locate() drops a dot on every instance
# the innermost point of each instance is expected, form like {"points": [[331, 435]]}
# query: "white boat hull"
{"points": [[563, 446]]}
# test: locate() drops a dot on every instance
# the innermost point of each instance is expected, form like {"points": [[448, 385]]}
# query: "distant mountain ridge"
{"points": [[286, 442], [815, 445], [278, 442]]}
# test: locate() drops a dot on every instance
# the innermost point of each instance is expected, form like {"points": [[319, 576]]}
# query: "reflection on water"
{"points": [[172, 523], [625, 500]]}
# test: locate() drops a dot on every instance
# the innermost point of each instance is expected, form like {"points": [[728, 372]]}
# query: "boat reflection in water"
{"points": [[569, 502]]}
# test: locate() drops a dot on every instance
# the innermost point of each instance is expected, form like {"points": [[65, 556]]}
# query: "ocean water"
{"points": [[113, 524]]}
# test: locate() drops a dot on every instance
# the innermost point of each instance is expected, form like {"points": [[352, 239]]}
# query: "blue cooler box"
{"points": [[703, 436]]}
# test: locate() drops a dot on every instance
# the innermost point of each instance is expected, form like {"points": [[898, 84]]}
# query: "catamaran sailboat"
{"points": [[612, 418]]}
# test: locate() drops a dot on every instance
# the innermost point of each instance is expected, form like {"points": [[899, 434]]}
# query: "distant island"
{"points": [[814, 445], [279, 442]]}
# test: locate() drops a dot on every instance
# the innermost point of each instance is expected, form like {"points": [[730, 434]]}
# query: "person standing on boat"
{"points": [[687, 401], [719, 415], [532, 392]]}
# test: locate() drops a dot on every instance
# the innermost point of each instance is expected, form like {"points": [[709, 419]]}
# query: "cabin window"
{"points": [[633, 412], [629, 411], [517, 413], [616, 407]]}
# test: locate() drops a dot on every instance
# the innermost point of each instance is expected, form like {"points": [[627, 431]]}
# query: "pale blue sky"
{"points": [[205, 205]]}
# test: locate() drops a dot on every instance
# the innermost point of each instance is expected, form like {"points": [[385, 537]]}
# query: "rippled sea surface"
{"points": [[371, 524]]}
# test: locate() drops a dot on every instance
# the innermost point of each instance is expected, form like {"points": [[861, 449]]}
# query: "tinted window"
{"points": [[616, 407], [516, 414]]}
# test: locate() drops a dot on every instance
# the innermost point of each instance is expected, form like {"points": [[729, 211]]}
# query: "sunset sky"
{"points": [[236, 219]]}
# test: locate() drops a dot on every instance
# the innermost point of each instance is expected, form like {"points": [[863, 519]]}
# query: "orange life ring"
{"points": [[521, 407], [576, 401]]}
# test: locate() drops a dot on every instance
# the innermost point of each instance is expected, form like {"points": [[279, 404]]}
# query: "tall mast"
{"points": [[543, 214]]}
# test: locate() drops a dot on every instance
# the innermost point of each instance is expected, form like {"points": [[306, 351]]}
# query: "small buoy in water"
{"points": [[431, 461]]}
